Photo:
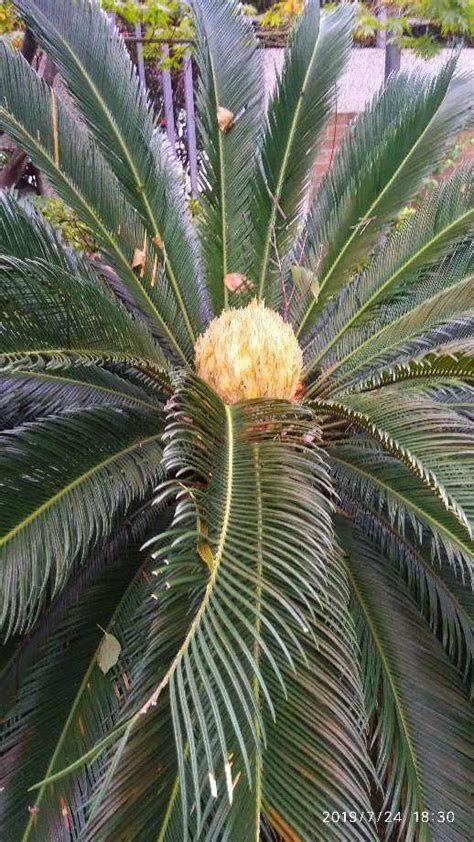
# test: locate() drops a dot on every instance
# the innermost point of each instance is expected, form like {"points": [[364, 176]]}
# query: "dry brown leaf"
{"points": [[235, 281], [225, 118], [139, 258], [153, 272], [158, 241]]}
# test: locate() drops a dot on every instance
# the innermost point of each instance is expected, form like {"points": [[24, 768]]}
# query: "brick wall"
{"points": [[335, 131]]}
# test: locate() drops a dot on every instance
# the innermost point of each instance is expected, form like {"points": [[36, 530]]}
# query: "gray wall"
{"points": [[364, 72]]}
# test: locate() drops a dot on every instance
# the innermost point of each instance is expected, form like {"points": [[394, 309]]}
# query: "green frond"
{"points": [[298, 111], [52, 300], [230, 77], [50, 520], [95, 64], [426, 369], [365, 472], [442, 598], [430, 438], [425, 238], [400, 138], [257, 607], [454, 393], [27, 395], [64, 702], [450, 337], [421, 717], [64, 151], [316, 758], [47, 310]]}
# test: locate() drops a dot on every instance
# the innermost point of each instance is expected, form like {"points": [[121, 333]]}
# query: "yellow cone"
{"points": [[250, 353]]}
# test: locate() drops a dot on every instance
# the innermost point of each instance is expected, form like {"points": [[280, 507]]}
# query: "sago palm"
{"points": [[236, 452]]}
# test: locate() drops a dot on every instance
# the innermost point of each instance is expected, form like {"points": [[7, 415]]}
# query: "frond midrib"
{"points": [[104, 231], [369, 214], [141, 362], [36, 375], [138, 184], [388, 673], [401, 375], [438, 527], [256, 654], [73, 484], [376, 294], [222, 179]]}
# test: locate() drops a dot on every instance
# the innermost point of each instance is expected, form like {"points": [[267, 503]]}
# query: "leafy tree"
{"points": [[10, 24], [293, 643], [451, 17], [160, 19]]}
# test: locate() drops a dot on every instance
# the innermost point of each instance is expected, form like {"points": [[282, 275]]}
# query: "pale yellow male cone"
{"points": [[250, 353]]}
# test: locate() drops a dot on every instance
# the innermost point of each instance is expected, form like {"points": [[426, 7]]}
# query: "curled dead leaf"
{"points": [[139, 258], [158, 241], [236, 282], [225, 118]]}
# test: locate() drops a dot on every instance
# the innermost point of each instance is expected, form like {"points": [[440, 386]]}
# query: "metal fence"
{"points": [[185, 132]]}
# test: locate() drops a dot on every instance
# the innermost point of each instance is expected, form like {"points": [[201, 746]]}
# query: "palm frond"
{"points": [[442, 598], [245, 488], [230, 77], [95, 64], [51, 519], [52, 300], [422, 759], [429, 235], [426, 369], [316, 759], [63, 700], [454, 393], [431, 439], [64, 151], [27, 395], [297, 113], [393, 144], [450, 337], [40, 316], [365, 472]]}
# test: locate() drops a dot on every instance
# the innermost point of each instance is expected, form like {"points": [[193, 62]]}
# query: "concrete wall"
{"points": [[364, 72]]}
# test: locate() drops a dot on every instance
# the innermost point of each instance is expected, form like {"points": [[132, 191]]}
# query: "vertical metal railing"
{"points": [[187, 132], [191, 122], [167, 88], [140, 58]]}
